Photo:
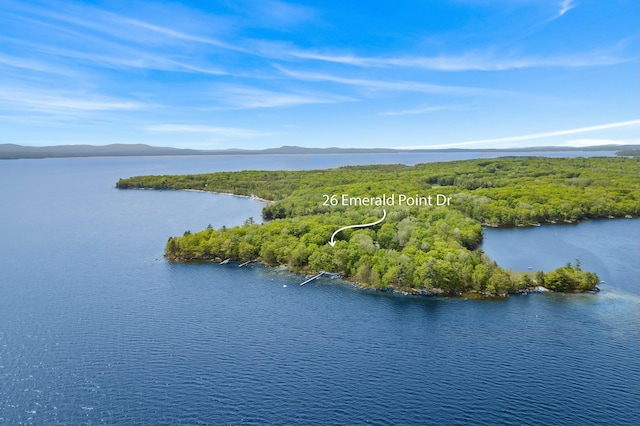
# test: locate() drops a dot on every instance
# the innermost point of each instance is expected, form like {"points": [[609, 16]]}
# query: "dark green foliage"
{"points": [[415, 248], [570, 278]]}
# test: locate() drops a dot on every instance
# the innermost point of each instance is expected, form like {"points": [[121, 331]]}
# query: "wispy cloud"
{"points": [[35, 65], [60, 102], [128, 58], [535, 136], [103, 65], [469, 61], [117, 36], [240, 97], [423, 110], [84, 17], [565, 6], [227, 132], [488, 62], [169, 32], [103, 54], [403, 86], [109, 40]]}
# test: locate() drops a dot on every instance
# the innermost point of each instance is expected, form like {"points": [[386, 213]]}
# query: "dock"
{"points": [[313, 278], [247, 262]]}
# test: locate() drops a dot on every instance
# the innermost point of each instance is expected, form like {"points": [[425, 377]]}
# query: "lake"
{"points": [[97, 328]]}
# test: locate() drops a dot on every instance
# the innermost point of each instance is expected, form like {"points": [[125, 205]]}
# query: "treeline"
{"points": [[428, 254], [504, 192], [416, 249]]}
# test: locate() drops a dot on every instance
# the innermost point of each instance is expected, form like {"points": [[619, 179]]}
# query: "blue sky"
{"points": [[266, 73]]}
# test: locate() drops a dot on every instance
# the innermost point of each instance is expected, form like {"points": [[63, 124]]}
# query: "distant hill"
{"points": [[120, 150], [629, 153], [116, 150]]}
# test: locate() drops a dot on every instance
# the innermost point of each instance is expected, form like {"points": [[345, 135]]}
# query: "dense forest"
{"points": [[418, 249]]}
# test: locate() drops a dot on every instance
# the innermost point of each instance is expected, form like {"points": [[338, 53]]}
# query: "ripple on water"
{"points": [[95, 329]]}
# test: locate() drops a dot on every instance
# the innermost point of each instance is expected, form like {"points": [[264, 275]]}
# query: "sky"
{"points": [[259, 74]]}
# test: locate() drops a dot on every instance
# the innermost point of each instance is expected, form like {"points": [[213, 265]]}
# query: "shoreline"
{"points": [[440, 259], [425, 292], [253, 197], [431, 292], [552, 222]]}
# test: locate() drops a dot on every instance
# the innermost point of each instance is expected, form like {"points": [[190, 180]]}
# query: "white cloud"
{"points": [[76, 17], [180, 66], [228, 132], [60, 102], [110, 40], [422, 110], [565, 6], [102, 30], [535, 136], [35, 65], [469, 61], [126, 57], [402, 86], [181, 35], [238, 97]]}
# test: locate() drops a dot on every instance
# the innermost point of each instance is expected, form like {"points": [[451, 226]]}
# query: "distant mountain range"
{"points": [[8, 151]]}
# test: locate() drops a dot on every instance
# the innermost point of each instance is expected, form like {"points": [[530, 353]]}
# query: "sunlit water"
{"points": [[95, 326]]}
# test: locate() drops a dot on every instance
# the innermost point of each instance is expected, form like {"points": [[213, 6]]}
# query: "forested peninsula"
{"points": [[422, 247]]}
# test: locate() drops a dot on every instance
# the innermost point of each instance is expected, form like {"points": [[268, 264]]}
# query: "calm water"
{"points": [[95, 327]]}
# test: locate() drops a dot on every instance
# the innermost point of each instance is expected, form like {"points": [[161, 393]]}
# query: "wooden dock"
{"points": [[313, 278]]}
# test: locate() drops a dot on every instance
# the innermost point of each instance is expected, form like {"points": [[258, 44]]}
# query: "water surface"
{"points": [[95, 327]]}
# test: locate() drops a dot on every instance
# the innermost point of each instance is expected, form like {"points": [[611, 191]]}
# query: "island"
{"points": [[434, 213]]}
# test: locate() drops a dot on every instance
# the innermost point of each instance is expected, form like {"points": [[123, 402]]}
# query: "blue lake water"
{"points": [[95, 327]]}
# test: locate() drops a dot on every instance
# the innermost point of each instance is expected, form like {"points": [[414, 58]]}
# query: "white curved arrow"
{"points": [[364, 225]]}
